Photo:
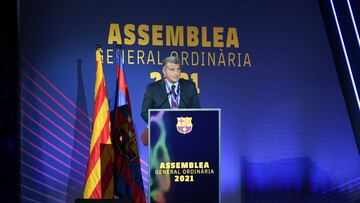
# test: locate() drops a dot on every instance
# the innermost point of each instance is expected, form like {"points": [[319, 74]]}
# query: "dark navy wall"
{"points": [[286, 134]]}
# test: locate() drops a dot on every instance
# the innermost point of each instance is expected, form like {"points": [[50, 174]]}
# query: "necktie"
{"points": [[174, 104]]}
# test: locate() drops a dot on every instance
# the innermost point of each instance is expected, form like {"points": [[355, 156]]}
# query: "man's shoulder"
{"points": [[186, 82], [155, 84]]}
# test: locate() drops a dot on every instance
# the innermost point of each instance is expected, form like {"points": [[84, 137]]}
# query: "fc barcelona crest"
{"points": [[184, 125]]}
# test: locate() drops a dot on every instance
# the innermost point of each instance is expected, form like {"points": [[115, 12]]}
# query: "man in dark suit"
{"points": [[170, 92]]}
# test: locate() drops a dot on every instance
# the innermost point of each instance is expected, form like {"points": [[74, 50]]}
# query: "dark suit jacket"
{"points": [[156, 97]]}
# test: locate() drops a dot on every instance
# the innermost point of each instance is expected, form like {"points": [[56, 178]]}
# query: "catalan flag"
{"points": [[127, 171], [99, 182]]}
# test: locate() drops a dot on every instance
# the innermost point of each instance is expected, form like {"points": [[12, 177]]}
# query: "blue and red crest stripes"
{"points": [[184, 125]]}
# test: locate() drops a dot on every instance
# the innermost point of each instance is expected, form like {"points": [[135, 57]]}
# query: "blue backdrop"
{"points": [[286, 134]]}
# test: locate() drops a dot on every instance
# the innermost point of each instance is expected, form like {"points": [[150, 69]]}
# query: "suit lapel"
{"points": [[163, 95], [182, 95]]}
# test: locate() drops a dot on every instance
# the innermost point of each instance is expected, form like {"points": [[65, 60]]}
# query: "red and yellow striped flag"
{"points": [[99, 182]]}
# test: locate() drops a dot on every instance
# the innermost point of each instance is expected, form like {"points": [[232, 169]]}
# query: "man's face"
{"points": [[172, 72]]}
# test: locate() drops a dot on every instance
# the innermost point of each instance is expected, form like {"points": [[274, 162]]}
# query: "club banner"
{"points": [[184, 156]]}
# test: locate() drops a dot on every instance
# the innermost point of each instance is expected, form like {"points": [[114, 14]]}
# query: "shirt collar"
{"points": [[169, 84]]}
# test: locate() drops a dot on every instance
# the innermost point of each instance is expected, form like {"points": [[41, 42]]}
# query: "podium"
{"points": [[103, 201], [184, 155]]}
